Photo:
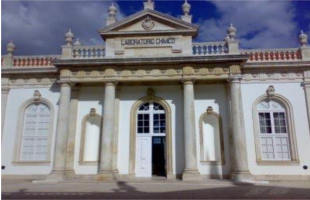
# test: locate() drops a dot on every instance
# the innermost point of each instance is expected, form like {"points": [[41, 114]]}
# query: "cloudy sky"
{"points": [[38, 27]]}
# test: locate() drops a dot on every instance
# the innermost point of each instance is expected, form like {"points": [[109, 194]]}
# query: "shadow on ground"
{"points": [[126, 191]]}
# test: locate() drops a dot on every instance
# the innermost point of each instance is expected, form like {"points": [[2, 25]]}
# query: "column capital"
{"points": [[111, 83], [235, 79], [66, 84], [188, 81], [5, 90]]}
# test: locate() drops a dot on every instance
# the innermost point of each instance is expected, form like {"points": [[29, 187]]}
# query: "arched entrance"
{"points": [[150, 141]]}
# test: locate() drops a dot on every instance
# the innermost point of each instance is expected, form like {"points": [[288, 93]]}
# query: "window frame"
{"points": [[151, 112], [290, 126], [273, 134], [19, 133]]}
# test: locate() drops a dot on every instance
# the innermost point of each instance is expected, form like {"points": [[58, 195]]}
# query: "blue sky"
{"points": [[38, 27]]}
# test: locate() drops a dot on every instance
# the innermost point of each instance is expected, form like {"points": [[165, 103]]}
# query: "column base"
{"points": [[56, 175], [191, 175], [244, 176], [70, 174], [107, 175]]}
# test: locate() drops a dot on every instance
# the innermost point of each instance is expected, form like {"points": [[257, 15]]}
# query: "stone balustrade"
{"points": [[210, 48], [88, 52], [34, 61], [273, 55]]}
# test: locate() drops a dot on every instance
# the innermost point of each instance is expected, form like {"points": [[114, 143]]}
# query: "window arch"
{"points": [[90, 138], [33, 139], [275, 138]]}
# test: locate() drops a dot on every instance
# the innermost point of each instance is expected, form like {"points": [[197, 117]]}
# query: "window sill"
{"points": [[31, 163], [277, 163], [89, 163]]}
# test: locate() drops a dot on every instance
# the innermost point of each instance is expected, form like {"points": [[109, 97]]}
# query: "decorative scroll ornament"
{"points": [[150, 94], [148, 24], [209, 110], [270, 91], [92, 112], [37, 96]]}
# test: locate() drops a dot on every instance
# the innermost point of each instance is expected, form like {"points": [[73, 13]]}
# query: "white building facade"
{"points": [[153, 103]]}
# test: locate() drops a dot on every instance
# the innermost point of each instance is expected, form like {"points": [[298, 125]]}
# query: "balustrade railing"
{"points": [[209, 48], [272, 55], [88, 52], [34, 61]]}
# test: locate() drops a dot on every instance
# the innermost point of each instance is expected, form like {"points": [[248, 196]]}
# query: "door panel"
{"points": [[144, 157]]}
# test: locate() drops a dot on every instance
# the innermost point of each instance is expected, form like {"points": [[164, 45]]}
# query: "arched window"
{"points": [[151, 119], [275, 138], [35, 134], [91, 129], [273, 131]]}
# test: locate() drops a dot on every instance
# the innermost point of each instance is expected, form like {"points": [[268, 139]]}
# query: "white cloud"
{"points": [[39, 27], [260, 24]]}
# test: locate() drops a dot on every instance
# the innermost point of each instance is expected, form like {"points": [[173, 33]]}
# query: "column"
{"points": [[4, 100], [61, 133], [191, 171], [241, 170], [71, 133], [307, 94], [106, 149], [115, 137]]}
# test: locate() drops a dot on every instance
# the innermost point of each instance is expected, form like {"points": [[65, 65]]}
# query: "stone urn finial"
{"points": [[209, 110], [186, 8], [231, 31], [69, 37], [10, 48], [303, 39], [112, 11], [227, 38], [270, 91], [37, 96], [77, 42], [92, 112]]}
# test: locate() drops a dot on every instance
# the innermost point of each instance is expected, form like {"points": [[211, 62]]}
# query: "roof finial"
{"points": [[303, 39], [112, 11], [149, 4], [186, 8], [10, 48], [77, 42], [231, 31], [69, 36]]}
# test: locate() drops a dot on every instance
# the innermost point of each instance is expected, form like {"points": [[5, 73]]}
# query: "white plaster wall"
{"points": [[215, 96], [15, 99], [295, 94], [89, 97], [173, 96]]}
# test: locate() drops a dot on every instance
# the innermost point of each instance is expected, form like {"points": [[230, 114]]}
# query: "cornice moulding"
{"points": [[151, 60]]}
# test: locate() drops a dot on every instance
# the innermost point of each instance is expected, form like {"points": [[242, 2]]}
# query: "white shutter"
{"points": [[35, 133]]}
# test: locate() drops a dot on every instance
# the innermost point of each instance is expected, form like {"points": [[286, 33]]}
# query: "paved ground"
{"points": [[213, 189]]}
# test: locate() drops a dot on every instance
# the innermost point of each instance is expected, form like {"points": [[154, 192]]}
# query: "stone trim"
{"points": [[19, 133], [83, 135], [277, 163], [290, 126], [133, 120], [220, 123]]}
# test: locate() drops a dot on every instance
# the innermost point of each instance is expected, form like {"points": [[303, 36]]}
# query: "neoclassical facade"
{"points": [[151, 103]]}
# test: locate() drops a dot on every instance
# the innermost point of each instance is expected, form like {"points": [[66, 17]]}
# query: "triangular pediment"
{"points": [[149, 22]]}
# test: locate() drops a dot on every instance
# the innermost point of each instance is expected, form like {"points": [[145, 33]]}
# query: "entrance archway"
{"points": [[153, 104]]}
